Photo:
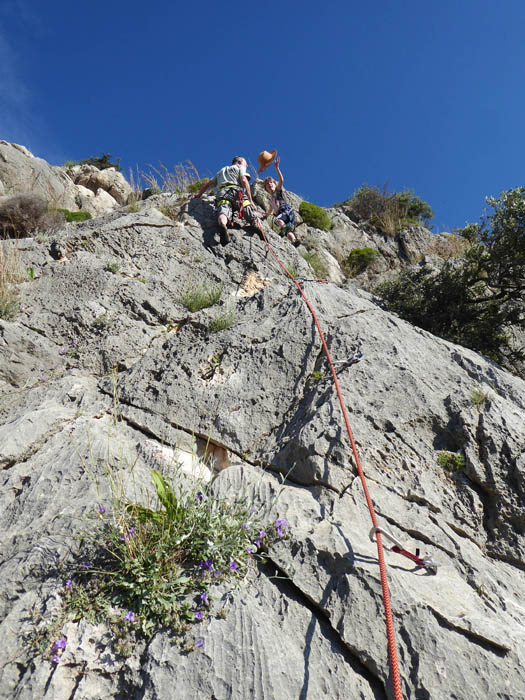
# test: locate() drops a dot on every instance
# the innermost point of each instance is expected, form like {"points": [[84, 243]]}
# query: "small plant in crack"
{"points": [[221, 321], [316, 376], [478, 398], [451, 461], [112, 267], [102, 321]]}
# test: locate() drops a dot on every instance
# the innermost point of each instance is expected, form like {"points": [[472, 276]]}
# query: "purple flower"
{"points": [[200, 497], [60, 644], [262, 534], [257, 542], [86, 565], [280, 532], [245, 526], [232, 566], [281, 522], [206, 566], [69, 584], [250, 550], [101, 510], [55, 659], [128, 535], [199, 643], [198, 615], [63, 351], [204, 598], [253, 511], [216, 573], [74, 343], [129, 616]]}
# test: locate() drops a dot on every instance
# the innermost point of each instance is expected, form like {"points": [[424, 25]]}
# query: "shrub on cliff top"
{"points": [[314, 216], [389, 212], [101, 162]]}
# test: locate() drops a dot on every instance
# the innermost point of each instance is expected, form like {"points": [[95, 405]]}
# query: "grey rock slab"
{"points": [[26, 356], [269, 646], [331, 560], [230, 402], [30, 427]]}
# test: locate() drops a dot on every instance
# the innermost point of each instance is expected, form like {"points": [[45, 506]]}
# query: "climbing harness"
{"points": [[378, 532], [424, 562]]}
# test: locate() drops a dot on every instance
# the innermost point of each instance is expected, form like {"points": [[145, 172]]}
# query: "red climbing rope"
{"points": [[392, 650]]}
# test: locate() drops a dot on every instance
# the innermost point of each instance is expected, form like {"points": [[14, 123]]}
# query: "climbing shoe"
{"points": [[225, 234]]}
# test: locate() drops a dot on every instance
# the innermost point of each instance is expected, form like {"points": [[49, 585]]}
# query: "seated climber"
{"points": [[233, 195], [283, 213]]}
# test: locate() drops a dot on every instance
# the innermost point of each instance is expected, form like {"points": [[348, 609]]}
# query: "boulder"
{"points": [[109, 179]]}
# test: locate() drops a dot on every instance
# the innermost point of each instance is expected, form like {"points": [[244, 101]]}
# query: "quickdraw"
{"points": [[424, 562]]}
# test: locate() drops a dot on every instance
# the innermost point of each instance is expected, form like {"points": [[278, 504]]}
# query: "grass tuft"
{"points": [[9, 276], [222, 321], [197, 298]]}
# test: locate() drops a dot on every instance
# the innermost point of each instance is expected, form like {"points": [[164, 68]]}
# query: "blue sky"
{"points": [[428, 96]]}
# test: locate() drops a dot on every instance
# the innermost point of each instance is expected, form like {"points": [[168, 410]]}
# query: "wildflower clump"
{"points": [[148, 568]]}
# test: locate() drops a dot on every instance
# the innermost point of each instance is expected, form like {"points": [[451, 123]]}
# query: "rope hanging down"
{"points": [[392, 650]]}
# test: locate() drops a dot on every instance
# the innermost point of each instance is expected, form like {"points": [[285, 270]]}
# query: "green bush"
{"points": [[72, 216], [477, 298], [367, 201], [415, 210], [314, 216], [359, 259], [197, 298]]}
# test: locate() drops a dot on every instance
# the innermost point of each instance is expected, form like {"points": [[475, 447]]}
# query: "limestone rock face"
{"points": [[22, 172], [104, 367]]}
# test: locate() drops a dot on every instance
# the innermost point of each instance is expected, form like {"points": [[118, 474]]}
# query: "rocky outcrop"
{"points": [[108, 180], [80, 188]]}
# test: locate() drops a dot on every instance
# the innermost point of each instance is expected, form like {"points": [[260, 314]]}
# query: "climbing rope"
{"points": [[392, 650]]}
